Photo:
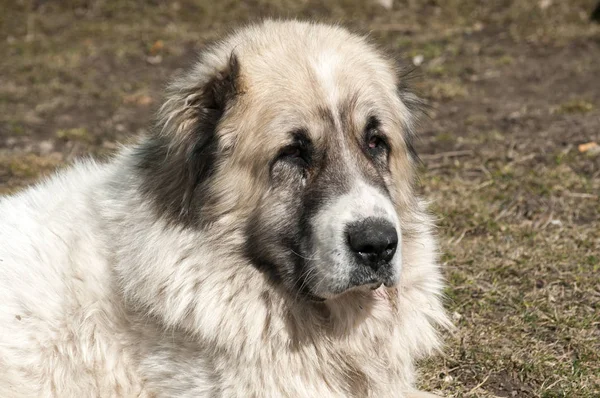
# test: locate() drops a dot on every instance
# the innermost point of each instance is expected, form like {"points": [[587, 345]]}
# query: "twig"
{"points": [[582, 195], [450, 154], [486, 172], [505, 210], [457, 240], [478, 386], [484, 184], [394, 27], [524, 158], [30, 31], [551, 385]]}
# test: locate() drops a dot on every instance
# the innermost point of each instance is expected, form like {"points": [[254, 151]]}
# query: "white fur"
{"points": [[325, 69]]}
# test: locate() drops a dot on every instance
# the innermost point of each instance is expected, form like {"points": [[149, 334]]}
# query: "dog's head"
{"points": [[298, 136]]}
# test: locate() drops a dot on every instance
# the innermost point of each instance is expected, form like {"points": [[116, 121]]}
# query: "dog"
{"points": [[265, 239]]}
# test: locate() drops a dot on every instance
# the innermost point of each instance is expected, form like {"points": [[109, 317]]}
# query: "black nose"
{"points": [[373, 240]]}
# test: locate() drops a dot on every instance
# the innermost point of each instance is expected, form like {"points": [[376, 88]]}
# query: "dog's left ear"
{"points": [[416, 107], [180, 155]]}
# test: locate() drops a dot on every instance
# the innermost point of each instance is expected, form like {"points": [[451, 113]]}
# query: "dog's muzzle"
{"points": [[373, 243]]}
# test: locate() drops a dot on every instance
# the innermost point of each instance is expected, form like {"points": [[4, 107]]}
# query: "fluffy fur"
{"points": [[186, 265]]}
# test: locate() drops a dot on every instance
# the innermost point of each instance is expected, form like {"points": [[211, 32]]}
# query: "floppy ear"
{"points": [[179, 156], [416, 106]]}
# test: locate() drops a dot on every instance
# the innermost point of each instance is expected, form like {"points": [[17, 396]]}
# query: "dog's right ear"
{"points": [[180, 155]]}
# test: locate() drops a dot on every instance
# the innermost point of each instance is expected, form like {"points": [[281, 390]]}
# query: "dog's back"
{"points": [[58, 329]]}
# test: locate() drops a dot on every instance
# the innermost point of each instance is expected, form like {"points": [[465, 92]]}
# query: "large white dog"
{"points": [[265, 240]]}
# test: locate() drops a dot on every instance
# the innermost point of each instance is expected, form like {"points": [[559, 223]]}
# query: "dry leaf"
{"points": [[157, 47], [138, 99], [587, 147]]}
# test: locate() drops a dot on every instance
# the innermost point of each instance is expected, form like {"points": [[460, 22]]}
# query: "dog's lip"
{"points": [[367, 287], [374, 286], [377, 290], [375, 283]]}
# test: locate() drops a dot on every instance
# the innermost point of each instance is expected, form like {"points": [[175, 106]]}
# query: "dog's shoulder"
{"points": [[58, 307], [54, 193]]}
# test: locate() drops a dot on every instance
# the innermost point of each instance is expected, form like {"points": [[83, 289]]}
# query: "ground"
{"points": [[514, 89]]}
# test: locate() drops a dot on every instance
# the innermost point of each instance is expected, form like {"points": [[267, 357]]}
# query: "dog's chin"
{"points": [[375, 290]]}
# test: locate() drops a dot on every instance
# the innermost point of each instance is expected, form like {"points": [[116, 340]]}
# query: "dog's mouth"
{"points": [[373, 283], [375, 289]]}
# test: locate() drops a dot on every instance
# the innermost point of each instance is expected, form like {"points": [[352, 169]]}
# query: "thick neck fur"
{"points": [[198, 291]]}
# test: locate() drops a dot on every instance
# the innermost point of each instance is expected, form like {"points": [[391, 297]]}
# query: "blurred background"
{"points": [[511, 156]]}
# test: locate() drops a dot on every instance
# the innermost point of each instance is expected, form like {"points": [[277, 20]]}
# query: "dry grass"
{"points": [[513, 91], [521, 239]]}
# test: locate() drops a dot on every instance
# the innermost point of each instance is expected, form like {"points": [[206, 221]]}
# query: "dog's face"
{"points": [[302, 137], [328, 223]]}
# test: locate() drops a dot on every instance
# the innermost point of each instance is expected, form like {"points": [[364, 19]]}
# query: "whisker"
{"points": [[303, 257]]}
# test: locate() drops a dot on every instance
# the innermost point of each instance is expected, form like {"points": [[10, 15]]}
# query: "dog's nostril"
{"points": [[374, 240], [367, 250]]}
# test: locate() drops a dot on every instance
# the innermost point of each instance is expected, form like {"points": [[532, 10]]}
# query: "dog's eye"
{"points": [[291, 152], [376, 146], [294, 154], [375, 143]]}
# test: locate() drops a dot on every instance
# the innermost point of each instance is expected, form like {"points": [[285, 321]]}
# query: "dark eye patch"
{"points": [[298, 151], [297, 154], [375, 142], [372, 123]]}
